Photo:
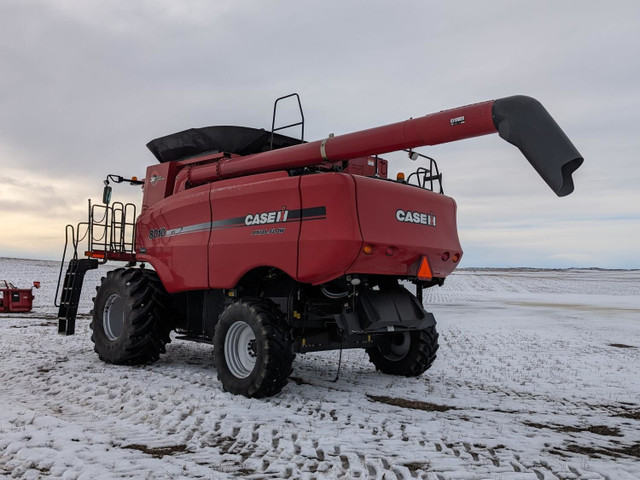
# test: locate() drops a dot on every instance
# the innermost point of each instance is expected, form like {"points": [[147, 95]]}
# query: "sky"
{"points": [[84, 85]]}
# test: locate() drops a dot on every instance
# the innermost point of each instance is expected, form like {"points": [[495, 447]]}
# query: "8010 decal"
{"points": [[157, 233]]}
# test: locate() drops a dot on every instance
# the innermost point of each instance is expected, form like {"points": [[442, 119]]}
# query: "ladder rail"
{"points": [[107, 231], [72, 290], [112, 228], [74, 242], [130, 216], [99, 220]]}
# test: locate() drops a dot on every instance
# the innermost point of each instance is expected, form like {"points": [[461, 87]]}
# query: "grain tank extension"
{"points": [[266, 245]]}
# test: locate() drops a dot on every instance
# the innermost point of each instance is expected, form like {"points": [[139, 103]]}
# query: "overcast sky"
{"points": [[84, 85]]}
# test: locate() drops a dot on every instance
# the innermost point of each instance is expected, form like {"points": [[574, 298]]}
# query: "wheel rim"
{"points": [[398, 347], [113, 317], [240, 349]]}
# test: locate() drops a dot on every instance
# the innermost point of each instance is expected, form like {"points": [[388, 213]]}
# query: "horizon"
{"points": [[489, 267]]}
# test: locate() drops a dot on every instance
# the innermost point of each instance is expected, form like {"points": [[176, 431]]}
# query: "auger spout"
{"points": [[520, 120]]}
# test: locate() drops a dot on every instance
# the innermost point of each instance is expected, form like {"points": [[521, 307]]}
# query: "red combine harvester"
{"points": [[268, 246], [16, 300]]}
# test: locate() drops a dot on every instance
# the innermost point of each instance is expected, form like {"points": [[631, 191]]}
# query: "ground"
{"points": [[537, 377]]}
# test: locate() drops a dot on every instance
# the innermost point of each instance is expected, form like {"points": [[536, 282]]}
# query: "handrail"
{"points": [[273, 120], [106, 230], [64, 254]]}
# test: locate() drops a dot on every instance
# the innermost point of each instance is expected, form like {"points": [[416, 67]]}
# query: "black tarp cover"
{"points": [[231, 139]]}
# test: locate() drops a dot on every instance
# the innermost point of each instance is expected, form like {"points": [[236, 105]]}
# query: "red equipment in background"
{"points": [[16, 300]]}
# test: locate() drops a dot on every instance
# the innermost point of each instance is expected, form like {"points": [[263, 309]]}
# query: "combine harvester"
{"points": [[268, 246]]}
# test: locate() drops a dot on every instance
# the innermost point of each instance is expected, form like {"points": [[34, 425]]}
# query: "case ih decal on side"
{"points": [[275, 216], [267, 217], [428, 219], [238, 261]]}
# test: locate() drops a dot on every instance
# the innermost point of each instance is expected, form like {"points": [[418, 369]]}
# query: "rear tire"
{"points": [[406, 353], [253, 349], [131, 320]]}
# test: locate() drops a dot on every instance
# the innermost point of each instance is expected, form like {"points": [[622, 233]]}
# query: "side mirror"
{"points": [[106, 194]]}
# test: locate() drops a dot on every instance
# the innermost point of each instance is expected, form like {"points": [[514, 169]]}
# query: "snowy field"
{"points": [[537, 377]]}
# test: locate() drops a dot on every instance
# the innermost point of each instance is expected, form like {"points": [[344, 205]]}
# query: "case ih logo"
{"points": [[155, 178], [277, 216], [428, 219]]}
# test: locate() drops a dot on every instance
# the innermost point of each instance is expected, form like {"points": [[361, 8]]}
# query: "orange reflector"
{"points": [[424, 271], [94, 254], [367, 249], [455, 258]]}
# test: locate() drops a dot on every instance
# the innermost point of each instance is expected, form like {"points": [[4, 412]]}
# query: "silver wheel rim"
{"points": [[399, 347], [240, 349], [113, 317]]}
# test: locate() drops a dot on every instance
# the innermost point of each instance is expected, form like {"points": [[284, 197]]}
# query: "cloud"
{"points": [[85, 85], [35, 210]]}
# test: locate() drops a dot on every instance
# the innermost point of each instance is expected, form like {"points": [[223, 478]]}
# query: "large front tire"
{"points": [[408, 354], [253, 349], [131, 322]]}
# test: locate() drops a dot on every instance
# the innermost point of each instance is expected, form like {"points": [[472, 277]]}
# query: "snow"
{"points": [[537, 377]]}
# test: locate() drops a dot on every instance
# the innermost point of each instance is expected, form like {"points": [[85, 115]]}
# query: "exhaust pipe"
{"points": [[525, 123]]}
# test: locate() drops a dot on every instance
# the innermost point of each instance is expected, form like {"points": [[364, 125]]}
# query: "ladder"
{"points": [[110, 234], [70, 296]]}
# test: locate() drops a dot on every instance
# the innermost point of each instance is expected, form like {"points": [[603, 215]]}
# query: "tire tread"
{"points": [[150, 325], [279, 354], [421, 355]]}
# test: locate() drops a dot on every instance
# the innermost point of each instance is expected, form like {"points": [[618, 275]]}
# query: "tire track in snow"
{"points": [[317, 429], [100, 397]]}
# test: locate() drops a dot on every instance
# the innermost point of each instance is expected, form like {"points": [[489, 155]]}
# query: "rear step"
{"points": [[71, 289]]}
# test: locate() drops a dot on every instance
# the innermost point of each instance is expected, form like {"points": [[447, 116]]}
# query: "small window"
{"points": [[15, 297]]}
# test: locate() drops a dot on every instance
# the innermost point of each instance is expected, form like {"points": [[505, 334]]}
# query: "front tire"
{"points": [[253, 349], [408, 354], [131, 322]]}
